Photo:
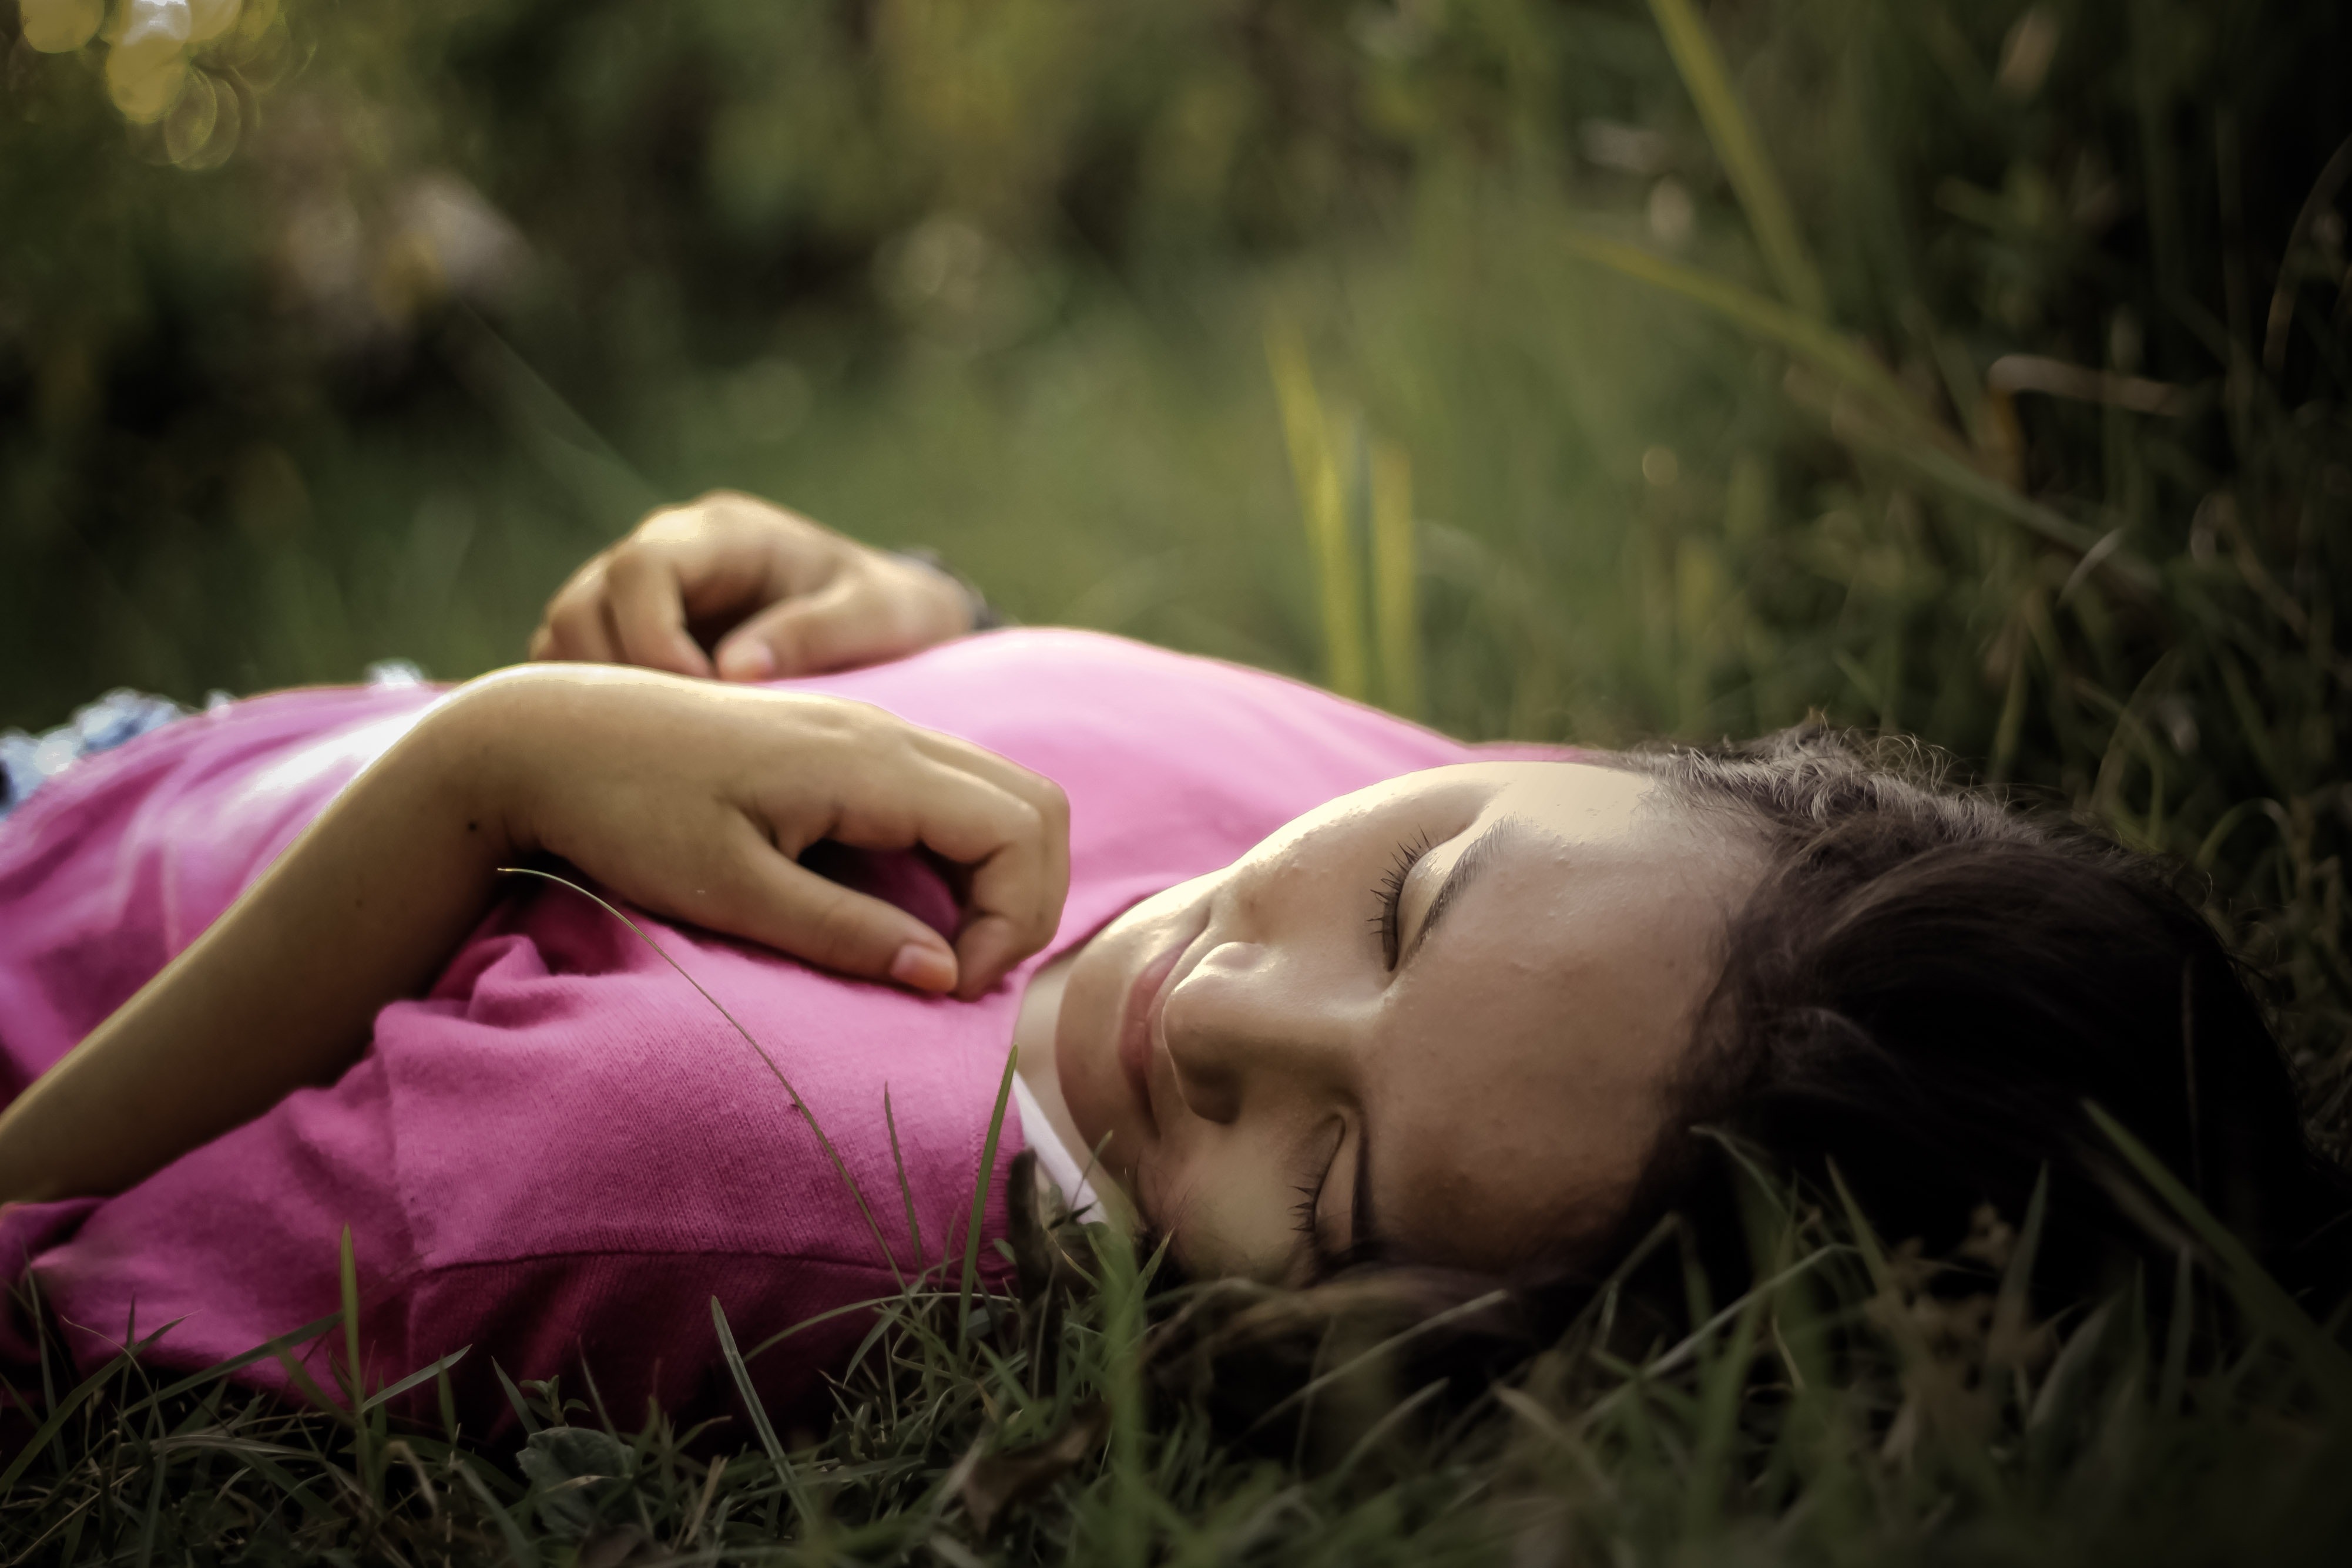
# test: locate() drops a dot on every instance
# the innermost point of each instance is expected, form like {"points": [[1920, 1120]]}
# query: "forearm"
{"points": [[282, 991], [689, 797]]}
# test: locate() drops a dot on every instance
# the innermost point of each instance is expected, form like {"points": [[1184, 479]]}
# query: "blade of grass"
{"points": [[49, 1351], [2015, 1296], [300, 1377], [2223, 825], [515, 1399], [1931, 461], [1723, 1381], [1741, 150], [2073, 1367], [519, 1545], [608, 486], [870, 1304], [1689, 1346], [1123, 1330], [1912, 437], [1322, 508], [1427, 1325], [354, 1375], [421, 1374], [154, 1515], [742, 1376], [221, 1370], [979, 1194], [288, 1483], [1396, 580], [1815, 342], [2180, 1331], [596, 1399], [2264, 1301], [2253, 728], [64, 1412], [898, 1164], [1378, 1431], [2320, 197]]}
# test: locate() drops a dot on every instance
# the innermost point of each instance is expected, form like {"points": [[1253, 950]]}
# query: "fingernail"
{"points": [[749, 662], [981, 959], [924, 968]]}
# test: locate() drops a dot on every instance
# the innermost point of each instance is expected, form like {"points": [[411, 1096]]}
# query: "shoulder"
{"points": [[1058, 691], [1022, 663]]}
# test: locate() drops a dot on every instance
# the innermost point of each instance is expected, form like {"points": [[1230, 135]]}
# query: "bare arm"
{"points": [[692, 799], [281, 991]]}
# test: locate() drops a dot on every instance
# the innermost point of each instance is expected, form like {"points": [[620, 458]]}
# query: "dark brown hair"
{"points": [[1929, 986], [1922, 995]]}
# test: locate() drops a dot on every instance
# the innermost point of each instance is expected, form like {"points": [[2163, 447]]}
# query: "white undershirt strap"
{"points": [[1053, 1155]]}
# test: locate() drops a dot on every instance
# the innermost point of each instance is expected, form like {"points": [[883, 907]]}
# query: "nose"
{"points": [[1246, 1024]]}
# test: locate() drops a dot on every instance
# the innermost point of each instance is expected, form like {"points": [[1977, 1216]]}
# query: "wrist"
{"points": [[482, 755]]}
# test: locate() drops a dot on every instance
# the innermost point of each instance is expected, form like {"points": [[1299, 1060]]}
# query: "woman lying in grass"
{"points": [[1327, 994]]}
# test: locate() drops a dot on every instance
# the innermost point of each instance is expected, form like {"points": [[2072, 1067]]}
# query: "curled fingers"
{"points": [[645, 593], [1008, 836]]}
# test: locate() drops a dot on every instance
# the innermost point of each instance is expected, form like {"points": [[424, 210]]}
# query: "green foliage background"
{"points": [[1971, 369], [485, 281]]}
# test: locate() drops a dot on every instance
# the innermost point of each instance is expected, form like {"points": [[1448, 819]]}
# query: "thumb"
{"points": [[834, 628]]}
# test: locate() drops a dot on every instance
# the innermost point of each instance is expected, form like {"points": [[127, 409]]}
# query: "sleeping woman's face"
{"points": [[1435, 1021]]}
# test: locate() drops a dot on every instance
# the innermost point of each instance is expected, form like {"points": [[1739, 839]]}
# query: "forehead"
{"points": [[1575, 800], [1518, 1072], [1570, 800]]}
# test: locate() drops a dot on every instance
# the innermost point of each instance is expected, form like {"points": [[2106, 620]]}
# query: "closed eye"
{"points": [[1390, 894], [1307, 1212]]}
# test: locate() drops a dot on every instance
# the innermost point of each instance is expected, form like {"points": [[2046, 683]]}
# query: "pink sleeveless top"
{"points": [[562, 1154]]}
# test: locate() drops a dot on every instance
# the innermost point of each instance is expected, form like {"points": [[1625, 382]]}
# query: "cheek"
{"points": [[1528, 1107], [1318, 845], [1313, 893], [1089, 999], [1225, 1203]]}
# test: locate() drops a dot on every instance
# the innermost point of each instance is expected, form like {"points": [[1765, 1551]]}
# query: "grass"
{"points": [[1858, 1400], [1516, 455]]}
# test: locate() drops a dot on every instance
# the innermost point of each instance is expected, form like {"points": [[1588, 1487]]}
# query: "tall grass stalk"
{"points": [[1741, 149], [1396, 579], [1322, 505]]}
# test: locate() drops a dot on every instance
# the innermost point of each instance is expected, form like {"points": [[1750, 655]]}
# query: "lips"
{"points": [[1135, 1023]]}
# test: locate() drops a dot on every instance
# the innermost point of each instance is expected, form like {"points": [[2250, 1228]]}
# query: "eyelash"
{"points": [[1391, 892], [1310, 1200]]}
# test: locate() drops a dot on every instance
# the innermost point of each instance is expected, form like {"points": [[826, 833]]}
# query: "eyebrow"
{"points": [[1467, 867]]}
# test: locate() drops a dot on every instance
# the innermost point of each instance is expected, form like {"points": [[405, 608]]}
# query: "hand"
{"points": [[696, 802], [773, 593], [688, 797]]}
